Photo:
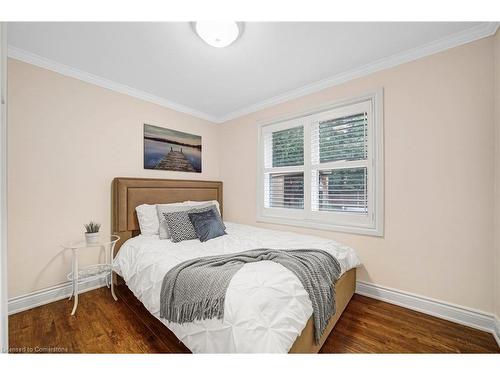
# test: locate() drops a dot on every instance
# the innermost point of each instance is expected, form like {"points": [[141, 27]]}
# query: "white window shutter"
{"points": [[338, 142], [284, 149]]}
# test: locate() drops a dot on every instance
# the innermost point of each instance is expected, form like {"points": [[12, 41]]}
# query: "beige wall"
{"points": [[67, 140], [497, 173], [439, 152]]}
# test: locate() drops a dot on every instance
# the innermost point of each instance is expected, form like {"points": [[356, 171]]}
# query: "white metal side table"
{"points": [[94, 271]]}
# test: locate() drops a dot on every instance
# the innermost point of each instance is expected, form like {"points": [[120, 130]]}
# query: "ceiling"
{"points": [[271, 61]]}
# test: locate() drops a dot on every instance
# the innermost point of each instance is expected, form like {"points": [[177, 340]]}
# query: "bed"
{"points": [[266, 308]]}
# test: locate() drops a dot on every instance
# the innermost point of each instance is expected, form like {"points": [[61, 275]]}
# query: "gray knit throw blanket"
{"points": [[196, 289]]}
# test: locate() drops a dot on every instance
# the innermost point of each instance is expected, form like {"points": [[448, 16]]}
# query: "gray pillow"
{"points": [[208, 204], [179, 225], [206, 225], [160, 210]]}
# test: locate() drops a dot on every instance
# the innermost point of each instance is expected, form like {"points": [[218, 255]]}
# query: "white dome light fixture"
{"points": [[217, 33]]}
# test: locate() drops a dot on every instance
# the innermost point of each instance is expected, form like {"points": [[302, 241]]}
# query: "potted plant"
{"points": [[92, 232]]}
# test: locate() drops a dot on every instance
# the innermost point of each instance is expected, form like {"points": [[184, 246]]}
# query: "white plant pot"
{"points": [[92, 238]]}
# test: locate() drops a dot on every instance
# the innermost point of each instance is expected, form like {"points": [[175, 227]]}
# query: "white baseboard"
{"points": [[458, 314], [48, 295], [496, 333]]}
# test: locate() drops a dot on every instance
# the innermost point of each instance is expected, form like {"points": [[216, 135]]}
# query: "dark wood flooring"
{"points": [[102, 325]]}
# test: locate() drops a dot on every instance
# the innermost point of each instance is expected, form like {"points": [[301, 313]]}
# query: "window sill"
{"points": [[321, 225]]}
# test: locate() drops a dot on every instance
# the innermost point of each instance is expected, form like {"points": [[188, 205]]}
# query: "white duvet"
{"points": [[266, 306]]}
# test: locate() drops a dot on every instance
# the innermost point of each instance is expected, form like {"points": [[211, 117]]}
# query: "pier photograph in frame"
{"points": [[171, 150]]}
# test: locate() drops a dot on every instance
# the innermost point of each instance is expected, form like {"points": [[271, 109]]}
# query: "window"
{"points": [[284, 159], [323, 169]]}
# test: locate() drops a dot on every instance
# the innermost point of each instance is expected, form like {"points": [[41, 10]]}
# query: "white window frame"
{"points": [[370, 224]]}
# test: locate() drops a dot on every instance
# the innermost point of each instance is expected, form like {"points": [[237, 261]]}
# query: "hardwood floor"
{"points": [[102, 325]]}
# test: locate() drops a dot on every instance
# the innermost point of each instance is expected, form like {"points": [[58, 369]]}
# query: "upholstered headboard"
{"points": [[128, 193]]}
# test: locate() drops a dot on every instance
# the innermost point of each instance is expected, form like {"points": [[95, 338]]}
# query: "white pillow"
{"points": [[197, 204], [148, 219]]}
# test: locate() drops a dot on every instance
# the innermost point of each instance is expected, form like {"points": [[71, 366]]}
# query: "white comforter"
{"points": [[266, 306]]}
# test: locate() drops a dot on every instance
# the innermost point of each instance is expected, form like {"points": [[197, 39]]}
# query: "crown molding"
{"points": [[42, 62], [466, 36]]}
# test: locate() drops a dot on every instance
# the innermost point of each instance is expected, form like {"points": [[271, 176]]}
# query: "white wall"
{"points": [[439, 152], [67, 141]]}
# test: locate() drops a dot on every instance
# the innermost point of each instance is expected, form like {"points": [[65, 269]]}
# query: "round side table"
{"points": [[94, 271]]}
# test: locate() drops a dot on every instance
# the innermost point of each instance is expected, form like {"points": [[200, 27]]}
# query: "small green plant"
{"points": [[92, 227]]}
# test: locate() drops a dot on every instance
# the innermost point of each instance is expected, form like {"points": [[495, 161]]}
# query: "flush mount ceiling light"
{"points": [[217, 33]]}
